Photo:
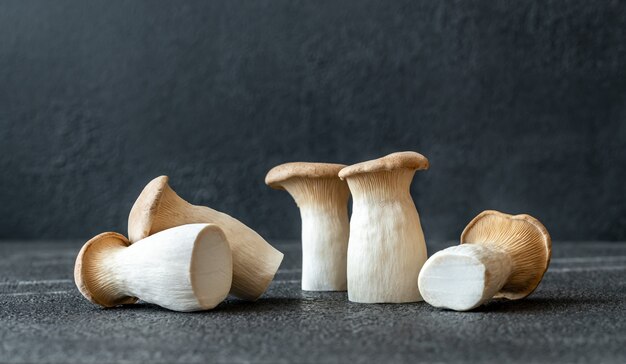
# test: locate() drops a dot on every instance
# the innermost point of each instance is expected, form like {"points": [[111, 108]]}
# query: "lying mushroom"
{"points": [[323, 201], [386, 249], [187, 268], [255, 261], [500, 256]]}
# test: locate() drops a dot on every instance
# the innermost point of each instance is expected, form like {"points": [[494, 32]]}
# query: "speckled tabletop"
{"points": [[578, 314]]}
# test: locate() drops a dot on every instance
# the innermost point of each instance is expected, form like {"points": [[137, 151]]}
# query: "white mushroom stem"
{"points": [[187, 268], [464, 277], [323, 204], [386, 249], [255, 261]]}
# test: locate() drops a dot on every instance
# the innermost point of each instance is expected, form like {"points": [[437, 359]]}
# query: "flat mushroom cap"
{"points": [[523, 237], [281, 173], [86, 273], [398, 160]]}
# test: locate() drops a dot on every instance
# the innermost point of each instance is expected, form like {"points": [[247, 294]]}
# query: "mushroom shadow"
{"points": [[538, 305], [139, 306], [261, 305], [229, 306]]}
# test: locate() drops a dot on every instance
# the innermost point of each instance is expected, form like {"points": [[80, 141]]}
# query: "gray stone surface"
{"points": [[520, 106], [577, 315]]}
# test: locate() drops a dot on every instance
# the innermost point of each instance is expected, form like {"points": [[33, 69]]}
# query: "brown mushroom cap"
{"points": [[145, 208], [523, 237], [399, 160], [89, 278], [281, 173]]}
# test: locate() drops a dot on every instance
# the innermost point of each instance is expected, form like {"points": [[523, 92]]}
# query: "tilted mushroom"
{"points": [[187, 268], [386, 249], [323, 201], [500, 256], [255, 261]]}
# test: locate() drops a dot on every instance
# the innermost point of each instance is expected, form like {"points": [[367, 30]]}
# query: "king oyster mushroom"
{"points": [[255, 261], [386, 249], [323, 201], [500, 256]]}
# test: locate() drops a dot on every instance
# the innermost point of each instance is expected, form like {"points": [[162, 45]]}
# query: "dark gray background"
{"points": [[520, 106]]}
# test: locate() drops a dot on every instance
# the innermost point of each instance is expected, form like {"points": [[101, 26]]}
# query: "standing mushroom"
{"points": [[386, 249], [187, 268], [255, 261], [323, 201], [500, 256]]}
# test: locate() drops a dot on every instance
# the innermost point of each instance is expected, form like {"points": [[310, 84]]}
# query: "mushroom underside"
{"points": [[523, 238], [91, 274]]}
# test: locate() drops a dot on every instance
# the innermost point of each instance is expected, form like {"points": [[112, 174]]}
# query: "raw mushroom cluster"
{"points": [[189, 258], [383, 259], [179, 256]]}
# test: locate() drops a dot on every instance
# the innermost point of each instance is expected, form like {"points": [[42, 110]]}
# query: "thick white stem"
{"points": [[255, 261], [464, 277], [178, 269], [324, 247], [386, 249]]}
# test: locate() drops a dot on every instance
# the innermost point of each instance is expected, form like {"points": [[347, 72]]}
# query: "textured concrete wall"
{"points": [[519, 105]]}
